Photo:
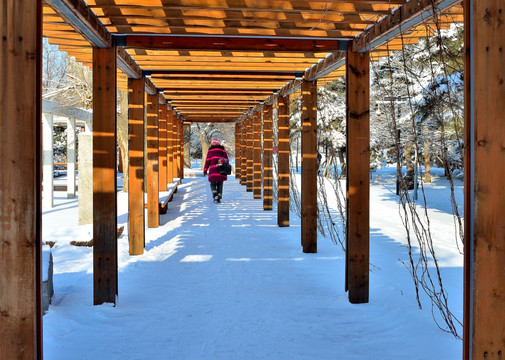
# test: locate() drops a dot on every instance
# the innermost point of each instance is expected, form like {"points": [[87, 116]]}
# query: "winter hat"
{"points": [[215, 142]]}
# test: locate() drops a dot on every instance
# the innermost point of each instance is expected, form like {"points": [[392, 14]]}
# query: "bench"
{"points": [[165, 197]]}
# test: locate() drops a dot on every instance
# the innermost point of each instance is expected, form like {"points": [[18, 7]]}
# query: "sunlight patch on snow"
{"points": [[196, 258], [264, 259]]}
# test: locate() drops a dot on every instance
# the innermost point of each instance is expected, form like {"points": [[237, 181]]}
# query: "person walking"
{"points": [[215, 153]]}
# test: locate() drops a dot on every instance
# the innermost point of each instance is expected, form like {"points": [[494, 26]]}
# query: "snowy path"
{"points": [[224, 282]]}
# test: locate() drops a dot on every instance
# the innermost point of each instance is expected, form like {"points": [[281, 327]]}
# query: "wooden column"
{"points": [[358, 172], [309, 166], [243, 155], [153, 213], [136, 217], [484, 325], [181, 150], [249, 169], [175, 143], [283, 153], [170, 146], [71, 158], [268, 173], [237, 150], [20, 179], [256, 123], [162, 145], [104, 176]]}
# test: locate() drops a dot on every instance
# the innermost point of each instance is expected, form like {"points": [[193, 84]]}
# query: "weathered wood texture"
{"points": [[181, 150], [162, 147], [237, 150], [20, 179], [136, 217], [268, 173], [485, 194], [249, 131], [170, 146], [358, 170], [243, 150], [175, 145], [153, 214], [309, 166], [283, 151], [256, 119], [104, 176]]}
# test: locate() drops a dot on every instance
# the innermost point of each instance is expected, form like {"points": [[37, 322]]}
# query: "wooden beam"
{"points": [[150, 88], [325, 67], [104, 176], [163, 147], [283, 153], [268, 173], [77, 14], [256, 121], [230, 43], [136, 218], [210, 73], [406, 17], [358, 172], [20, 179], [309, 166], [484, 329], [153, 214], [126, 63]]}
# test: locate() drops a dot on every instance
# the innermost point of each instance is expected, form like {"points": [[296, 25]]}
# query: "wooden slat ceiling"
{"points": [[202, 92]]}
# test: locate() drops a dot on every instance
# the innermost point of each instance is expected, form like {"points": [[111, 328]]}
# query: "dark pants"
{"points": [[217, 189]]}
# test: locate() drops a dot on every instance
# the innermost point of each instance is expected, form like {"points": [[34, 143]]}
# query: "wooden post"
{"points": [[136, 217], [249, 131], [71, 157], [243, 150], [309, 166], [47, 161], [170, 146], [20, 179], [283, 153], [181, 150], [256, 124], [175, 143], [358, 181], [268, 173], [104, 176], [153, 213], [237, 150], [163, 146], [484, 328]]}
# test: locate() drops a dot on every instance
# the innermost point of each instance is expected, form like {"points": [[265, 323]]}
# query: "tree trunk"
{"points": [[205, 147], [427, 162], [122, 135], [408, 155]]}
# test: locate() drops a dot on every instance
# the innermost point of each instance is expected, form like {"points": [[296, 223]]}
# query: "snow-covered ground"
{"points": [[223, 281]]}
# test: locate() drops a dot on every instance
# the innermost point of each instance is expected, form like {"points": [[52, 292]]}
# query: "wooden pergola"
{"points": [[185, 61]]}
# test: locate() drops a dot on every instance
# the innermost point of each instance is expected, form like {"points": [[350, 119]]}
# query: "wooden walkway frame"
{"points": [[358, 181], [105, 266], [152, 165], [309, 166], [175, 142], [268, 173], [256, 121], [170, 146], [136, 213], [20, 180], [249, 153], [484, 325], [283, 153], [243, 152], [237, 150], [162, 144]]}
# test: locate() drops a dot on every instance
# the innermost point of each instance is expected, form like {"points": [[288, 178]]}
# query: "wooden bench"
{"points": [[165, 197]]}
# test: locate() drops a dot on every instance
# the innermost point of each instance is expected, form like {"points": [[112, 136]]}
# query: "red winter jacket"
{"points": [[213, 155]]}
